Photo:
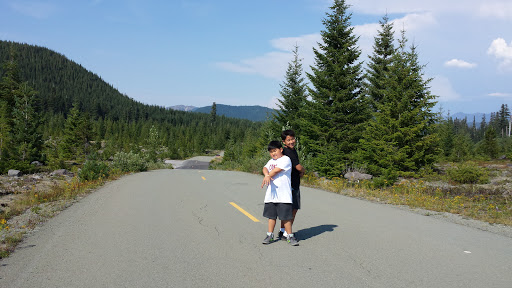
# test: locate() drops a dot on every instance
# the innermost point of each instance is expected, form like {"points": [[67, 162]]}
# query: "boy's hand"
{"points": [[266, 180]]}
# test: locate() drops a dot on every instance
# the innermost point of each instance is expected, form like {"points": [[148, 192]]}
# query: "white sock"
{"points": [[269, 233], [285, 234], [289, 235], [282, 230]]}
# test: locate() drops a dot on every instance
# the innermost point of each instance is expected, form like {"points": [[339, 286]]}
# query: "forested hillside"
{"points": [[75, 113]]}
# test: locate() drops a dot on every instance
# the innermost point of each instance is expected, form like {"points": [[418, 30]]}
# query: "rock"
{"points": [[14, 173], [356, 176], [62, 172], [168, 162], [37, 177], [37, 163]]}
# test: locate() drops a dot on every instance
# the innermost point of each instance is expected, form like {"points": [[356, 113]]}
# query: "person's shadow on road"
{"points": [[307, 233]]}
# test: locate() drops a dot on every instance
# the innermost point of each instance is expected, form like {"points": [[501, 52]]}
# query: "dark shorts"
{"points": [[296, 199], [273, 210]]}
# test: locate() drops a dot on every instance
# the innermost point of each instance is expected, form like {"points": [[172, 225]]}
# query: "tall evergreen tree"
{"points": [[377, 72], [213, 114], [473, 133], [334, 117], [293, 93], [503, 118], [77, 134], [5, 132], [402, 136], [483, 127], [490, 143], [27, 138], [11, 80]]}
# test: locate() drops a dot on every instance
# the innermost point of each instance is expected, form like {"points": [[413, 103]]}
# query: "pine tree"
{"points": [[464, 147], [473, 133], [401, 135], [5, 132], [490, 143], [334, 117], [503, 118], [483, 127], [377, 72], [11, 81], [27, 139], [76, 137], [293, 93], [213, 114]]}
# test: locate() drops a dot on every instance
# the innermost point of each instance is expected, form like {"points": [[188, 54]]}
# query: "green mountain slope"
{"points": [[113, 119], [60, 83]]}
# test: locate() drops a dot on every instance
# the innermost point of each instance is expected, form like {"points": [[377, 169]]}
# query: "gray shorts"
{"points": [[273, 210]]}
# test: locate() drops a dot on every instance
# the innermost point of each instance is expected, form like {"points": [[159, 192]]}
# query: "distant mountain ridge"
{"points": [[183, 108], [254, 113]]}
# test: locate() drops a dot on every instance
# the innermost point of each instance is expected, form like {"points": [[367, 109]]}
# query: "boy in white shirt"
{"points": [[278, 198]]}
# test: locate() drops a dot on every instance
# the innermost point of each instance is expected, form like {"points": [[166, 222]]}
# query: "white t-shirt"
{"points": [[280, 189]]}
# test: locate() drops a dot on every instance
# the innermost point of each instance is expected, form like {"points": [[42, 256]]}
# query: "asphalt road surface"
{"points": [[182, 228]]}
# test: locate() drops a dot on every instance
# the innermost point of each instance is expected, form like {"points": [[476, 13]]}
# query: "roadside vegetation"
{"points": [[475, 190]]}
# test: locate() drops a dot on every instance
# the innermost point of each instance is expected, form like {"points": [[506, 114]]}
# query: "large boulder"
{"points": [[14, 173], [357, 176]]}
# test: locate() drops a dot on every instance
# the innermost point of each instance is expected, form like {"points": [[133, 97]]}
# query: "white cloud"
{"points": [[273, 103], [501, 51], [496, 9], [442, 87], [274, 64], [270, 65], [500, 95], [459, 64], [415, 21], [35, 9]]}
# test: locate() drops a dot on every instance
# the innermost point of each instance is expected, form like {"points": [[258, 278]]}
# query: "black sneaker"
{"points": [[292, 240], [281, 236], [269, 239]]}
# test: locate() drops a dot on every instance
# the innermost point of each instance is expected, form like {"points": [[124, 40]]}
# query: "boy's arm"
{"points": [[268, 175], [301, 169]]}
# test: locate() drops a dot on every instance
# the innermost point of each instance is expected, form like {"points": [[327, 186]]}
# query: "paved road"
{"points": [[177, 228], [198, 163]]}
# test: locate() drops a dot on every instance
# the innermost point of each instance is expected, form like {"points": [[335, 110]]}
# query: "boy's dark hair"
{"points": [[287, 133], [274, 145]]}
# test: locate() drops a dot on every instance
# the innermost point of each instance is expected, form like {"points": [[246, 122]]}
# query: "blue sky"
{"points": [[236, 52]]}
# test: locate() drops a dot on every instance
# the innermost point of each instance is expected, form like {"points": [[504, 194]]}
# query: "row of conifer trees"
{"points": [[378, 118]]}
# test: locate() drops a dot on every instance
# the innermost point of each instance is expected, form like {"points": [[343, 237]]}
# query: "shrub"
{"points": [[129, 162], [468, 173], [93, 170]]}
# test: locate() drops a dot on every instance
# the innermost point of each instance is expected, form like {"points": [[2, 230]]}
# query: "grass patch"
{"points": [[9, 243], [472, 201]]}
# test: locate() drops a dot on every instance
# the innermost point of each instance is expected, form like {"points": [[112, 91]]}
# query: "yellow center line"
{"points": [[244, 212]]}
